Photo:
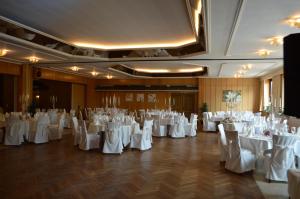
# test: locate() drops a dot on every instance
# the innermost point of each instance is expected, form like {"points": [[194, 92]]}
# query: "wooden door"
{"points": [[184, 102]]}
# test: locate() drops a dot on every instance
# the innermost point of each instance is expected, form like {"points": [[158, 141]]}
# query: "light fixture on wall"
{"points": [[3, 52], [276, 41], [94, 72], [263, 52], [108, 76], [33, 59], [75, 68], [294, 21]]}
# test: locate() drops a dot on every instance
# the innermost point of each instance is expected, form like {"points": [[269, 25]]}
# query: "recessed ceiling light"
{"points": [[294, 21], [33, 59], [263, 52], [94, 72], [152, 70], [135, 46], [247, 66], [109, 76], [190, 70], [276, 41], [3, 52], [75, 68]]}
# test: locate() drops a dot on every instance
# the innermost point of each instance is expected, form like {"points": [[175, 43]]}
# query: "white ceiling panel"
{"points": [[107, 22]]}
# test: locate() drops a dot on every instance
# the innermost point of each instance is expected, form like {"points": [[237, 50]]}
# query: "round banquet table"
{"points": [[256, 144]]}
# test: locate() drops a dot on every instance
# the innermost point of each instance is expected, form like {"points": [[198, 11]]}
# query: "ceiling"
{"points": [[234, 29]]}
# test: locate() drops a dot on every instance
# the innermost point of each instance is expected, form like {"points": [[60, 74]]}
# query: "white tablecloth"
{"points": [[256, 144]]}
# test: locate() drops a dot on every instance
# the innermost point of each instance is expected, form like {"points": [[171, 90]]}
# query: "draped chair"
{"points": [[222, 143], [159, 130], [76, 131], [88, 140], [14, 132], [280, 158], [113, 140], [56, 130], [143, 140], [191, 128], [294, 183], [177, 130], [238, 160], [208, 125], [41, 134]]}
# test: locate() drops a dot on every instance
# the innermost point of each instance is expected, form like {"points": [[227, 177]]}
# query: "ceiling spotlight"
{"points": [[237, 75], [263, 52], [33, 59], [241, 72], [247, 66], [294, 21], [75, 68], [3, 52], [109, 76], [94, 73], [276, 41]]}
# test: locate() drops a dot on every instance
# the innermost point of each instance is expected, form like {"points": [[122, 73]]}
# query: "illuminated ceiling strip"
{"points": [[197, 12], [152, 70], [135, 46], [190, 70]]}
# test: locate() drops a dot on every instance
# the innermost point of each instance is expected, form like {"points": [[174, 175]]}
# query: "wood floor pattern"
{"points": [[173, 168]]}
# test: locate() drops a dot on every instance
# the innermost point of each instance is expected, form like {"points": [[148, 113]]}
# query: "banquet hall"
{"points": [[149, 99]]}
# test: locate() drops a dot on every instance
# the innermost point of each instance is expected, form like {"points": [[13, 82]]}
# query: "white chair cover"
{"points": [[281, 159], [76, 131], [142, 141], [222, 143], [56, 130], [238, 160], [14, 132], [159, 130], [191, 128], [113, 141], [177, 130], [88, 140], [208, 125], [42, 130], [294, 183]]}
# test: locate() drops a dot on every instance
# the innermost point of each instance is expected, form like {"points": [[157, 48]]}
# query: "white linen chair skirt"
{"points": [[14, 133], [113, 142]]}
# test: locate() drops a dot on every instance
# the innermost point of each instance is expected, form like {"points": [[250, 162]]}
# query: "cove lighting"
{"points": [[152, 70], [190, 70], [196, 16], [136, 46]]}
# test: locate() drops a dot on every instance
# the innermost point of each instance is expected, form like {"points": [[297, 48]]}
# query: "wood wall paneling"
{"points": [[211, 92], [78, 96]]}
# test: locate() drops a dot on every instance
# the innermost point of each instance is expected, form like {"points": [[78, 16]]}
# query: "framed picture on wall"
{"points": [[152, 98], [232, 96], [129, 97], [140, 97]]}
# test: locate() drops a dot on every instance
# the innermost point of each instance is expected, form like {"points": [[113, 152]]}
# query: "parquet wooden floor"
{"points": [[174, 168]]}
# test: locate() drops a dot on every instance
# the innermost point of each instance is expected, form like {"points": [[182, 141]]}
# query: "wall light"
{"points": [[109, 76], [33, 59], [3, 52], [75, 68], [94, 73]]}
